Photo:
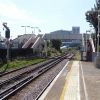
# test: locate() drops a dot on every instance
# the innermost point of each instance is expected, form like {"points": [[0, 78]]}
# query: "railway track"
{"points": [[12, 85], [18, 72], [15, 70]]}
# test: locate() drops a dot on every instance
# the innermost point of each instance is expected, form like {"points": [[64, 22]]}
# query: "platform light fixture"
{"points": [[25, 28]]}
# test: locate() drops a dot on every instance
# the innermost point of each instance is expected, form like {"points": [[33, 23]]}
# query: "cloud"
{"points": [[11, 10]]}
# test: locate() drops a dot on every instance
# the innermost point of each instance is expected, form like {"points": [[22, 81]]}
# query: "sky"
{"points": [[47, 15]]}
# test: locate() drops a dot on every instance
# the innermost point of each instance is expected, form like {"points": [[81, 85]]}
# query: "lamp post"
{"points": [[98, 35], [34, 29], [95, 41], [25, 28], [83, 43], [45, 45], [86, 38], [97, 61]]}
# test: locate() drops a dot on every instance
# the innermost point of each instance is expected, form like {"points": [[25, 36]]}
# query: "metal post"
{"points": [[97, 61], [87, 38], [83, 41], [86, 41], [34, 29], [46, 47], [25, 28], [7, 36], [7, 51], [95, 42], [98, 34]]}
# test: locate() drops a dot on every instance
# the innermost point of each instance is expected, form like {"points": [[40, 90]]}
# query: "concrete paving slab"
{"points": [[53, 92], [92, 81]]}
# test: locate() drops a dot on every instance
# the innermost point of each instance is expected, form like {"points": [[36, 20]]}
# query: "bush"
{"points": [[48, 53]]}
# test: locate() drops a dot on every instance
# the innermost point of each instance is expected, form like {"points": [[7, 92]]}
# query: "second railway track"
{"points": [[8, 87]]}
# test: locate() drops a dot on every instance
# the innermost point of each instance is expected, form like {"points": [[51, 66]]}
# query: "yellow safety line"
{"points": [[66, 84]]}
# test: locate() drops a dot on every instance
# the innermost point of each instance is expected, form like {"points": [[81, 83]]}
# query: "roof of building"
{"points": [[23, 38], [61, 32]]}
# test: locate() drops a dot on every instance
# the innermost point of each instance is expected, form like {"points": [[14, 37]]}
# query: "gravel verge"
{"points": [[31, 91], [10, 75]]}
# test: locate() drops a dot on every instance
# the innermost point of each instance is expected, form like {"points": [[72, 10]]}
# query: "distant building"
{"points": [[64, 36], [76, 30]]}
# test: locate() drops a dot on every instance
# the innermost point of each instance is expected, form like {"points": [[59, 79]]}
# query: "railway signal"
{"points": [[7, 36], [7, 32]]}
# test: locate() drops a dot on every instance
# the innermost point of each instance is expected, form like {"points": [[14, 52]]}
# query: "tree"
{"points": [[56, 44], [92, 17]]}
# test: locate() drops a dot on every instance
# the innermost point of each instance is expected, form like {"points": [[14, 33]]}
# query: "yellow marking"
{"points": [[51, 85], [66, 84]]}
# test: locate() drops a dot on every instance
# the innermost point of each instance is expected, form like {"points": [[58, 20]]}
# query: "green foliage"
{"points": [[21, 63], [56, 44], [48, 44], [48, 53], [77, 54], [92, 18], [92, 15]]}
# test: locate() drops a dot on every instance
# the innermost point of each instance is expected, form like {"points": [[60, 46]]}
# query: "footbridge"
{"points": [[35, 42], [88, 47]]}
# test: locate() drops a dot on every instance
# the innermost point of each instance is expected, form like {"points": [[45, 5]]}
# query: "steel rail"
{"points": [[26, 72], [5, 73], [22, 74], [6, 93], [50, 81]]}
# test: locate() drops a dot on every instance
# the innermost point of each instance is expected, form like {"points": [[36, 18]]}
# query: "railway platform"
{"points": [[78, 80]]}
